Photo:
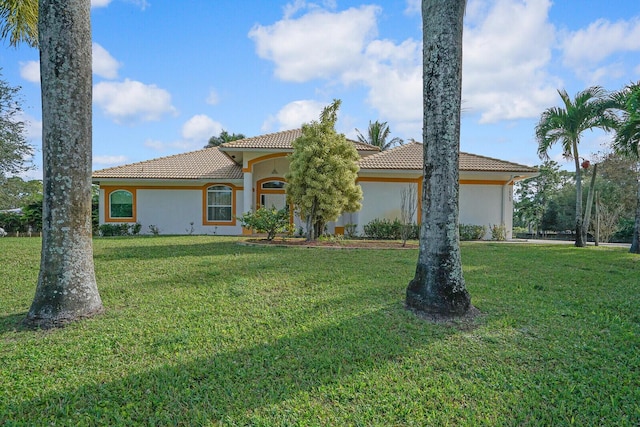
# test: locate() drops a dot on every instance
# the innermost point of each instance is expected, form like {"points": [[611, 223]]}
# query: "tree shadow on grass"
{"points": [[227, 387], [199, 248]]}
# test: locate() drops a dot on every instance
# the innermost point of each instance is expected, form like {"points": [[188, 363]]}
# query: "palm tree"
{"points": [[438, 286], [627, 140], [590, 109], [378, 133], [66, 288], [19, 21]]}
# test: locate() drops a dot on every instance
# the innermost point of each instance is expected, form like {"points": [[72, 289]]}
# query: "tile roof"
{"points": [[208, 163], [279, 141], [410, 157]]}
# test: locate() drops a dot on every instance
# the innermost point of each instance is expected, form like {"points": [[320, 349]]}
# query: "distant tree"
{"points": [[17, 193], [378, 135], [627, 141], [19, 21], [589, 109], [533, 195], [66, 288], [438, 286], [321, 182], [224, 136], [14, 148]]}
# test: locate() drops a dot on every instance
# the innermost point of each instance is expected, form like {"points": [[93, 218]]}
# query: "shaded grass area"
{"points": [[202, 331]]}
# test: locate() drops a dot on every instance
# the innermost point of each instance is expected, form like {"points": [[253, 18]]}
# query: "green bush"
{"points": [[267, 220], [498, 232], [472, 232], [108, 230], [384, 229]]}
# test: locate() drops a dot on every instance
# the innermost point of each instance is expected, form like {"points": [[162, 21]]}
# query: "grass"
{"points": [[201, 331]]}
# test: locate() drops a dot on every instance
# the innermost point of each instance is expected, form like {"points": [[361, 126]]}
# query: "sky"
{"points": [[168, 75]]}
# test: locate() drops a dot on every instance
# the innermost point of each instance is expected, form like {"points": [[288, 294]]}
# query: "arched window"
{"points": [[273, 185], [219, 203], [121, 204]]}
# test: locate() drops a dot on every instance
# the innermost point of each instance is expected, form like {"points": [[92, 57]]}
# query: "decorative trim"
{"points": [[252, 162], [107, 204]]}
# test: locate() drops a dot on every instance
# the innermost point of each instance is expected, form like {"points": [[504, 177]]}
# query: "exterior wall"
{"points": [[173, 210], [486, 205], [381, 200]]}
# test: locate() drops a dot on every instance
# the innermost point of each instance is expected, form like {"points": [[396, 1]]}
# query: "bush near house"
{"points": [[472, 232], [110, 230], [384, 229], [267, 220]]}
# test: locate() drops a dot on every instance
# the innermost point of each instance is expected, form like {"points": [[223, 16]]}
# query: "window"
{"points": [[121, 204], [219, 203], [271, 185]]}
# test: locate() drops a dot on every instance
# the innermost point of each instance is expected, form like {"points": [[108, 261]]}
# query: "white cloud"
{"points": [[507, 48], [104, 65], [200, 128], [294, 114], [318, 44], [413, 7], [109, 160], [131, 101], [100, 3], [30, 71], [142, 4], [584, 50], [213, 97]]}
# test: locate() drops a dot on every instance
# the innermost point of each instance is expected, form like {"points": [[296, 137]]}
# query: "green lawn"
{"points": [[202, 331]]}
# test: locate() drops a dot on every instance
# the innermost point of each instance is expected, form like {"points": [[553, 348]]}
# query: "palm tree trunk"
{"points": [[66, 287], [587, 210], [438, 286], [579, 238]]}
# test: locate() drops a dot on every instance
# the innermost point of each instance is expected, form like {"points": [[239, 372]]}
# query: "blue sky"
{"points": [[168, 75]]}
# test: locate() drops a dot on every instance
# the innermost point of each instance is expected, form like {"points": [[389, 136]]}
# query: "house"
{"points": [[204, 191]]}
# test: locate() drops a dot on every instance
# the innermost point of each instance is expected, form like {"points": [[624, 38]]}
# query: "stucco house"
{"points": [[203, 192]]}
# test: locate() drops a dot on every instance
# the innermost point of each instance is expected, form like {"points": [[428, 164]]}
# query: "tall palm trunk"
{"points": [[66, 287], [580, 242], [438, 286]]}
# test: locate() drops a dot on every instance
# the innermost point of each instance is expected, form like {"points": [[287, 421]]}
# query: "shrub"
{"points": [[107, 230], [351, 231], [267, 220], [472, 232], [384, 229], [498, 232]]}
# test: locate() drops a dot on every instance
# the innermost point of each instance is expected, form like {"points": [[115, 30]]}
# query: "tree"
{"points": [[267, 220], [534, 194], [13, 142], [627, 140], [438, 287], [321, 182], [377, 135], [18, 193], [589, 109], [224, 136], [19, 21], [66, 288]]}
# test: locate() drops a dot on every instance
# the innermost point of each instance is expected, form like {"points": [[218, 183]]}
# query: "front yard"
{"points": [[202, 331]]}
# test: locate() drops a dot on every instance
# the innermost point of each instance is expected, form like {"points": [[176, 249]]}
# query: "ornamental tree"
{"points": [[321, 182]]}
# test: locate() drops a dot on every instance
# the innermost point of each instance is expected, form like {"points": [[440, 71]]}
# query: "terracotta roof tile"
{"points": [[279, 141], [410, 157], [209, 163]]}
